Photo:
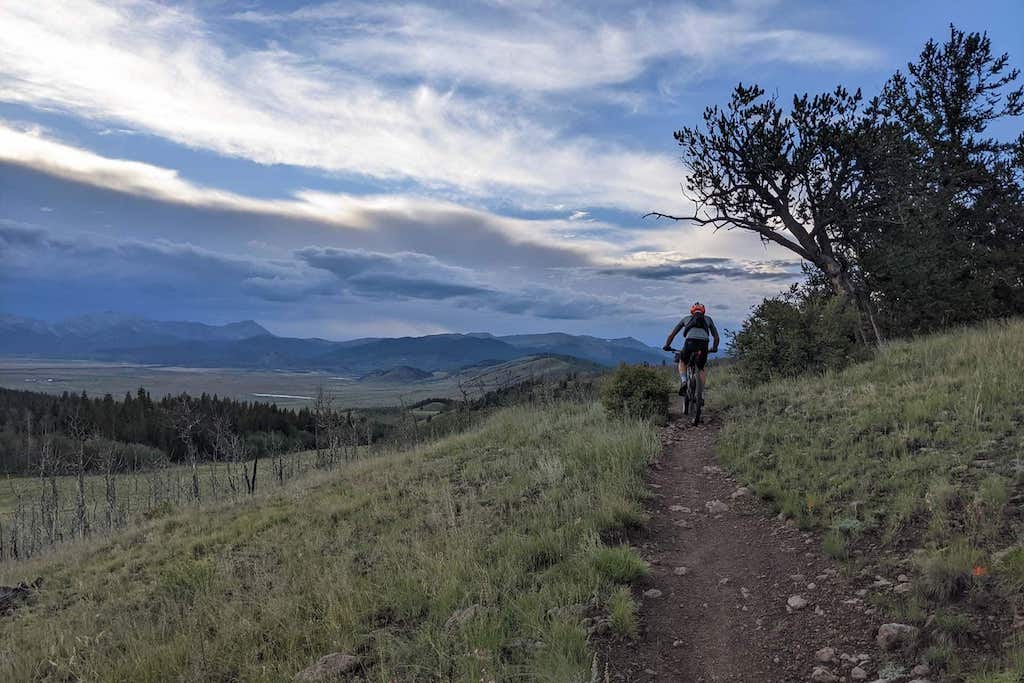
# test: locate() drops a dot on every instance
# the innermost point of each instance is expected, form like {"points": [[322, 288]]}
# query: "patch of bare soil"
{"points": [[734, 593]]}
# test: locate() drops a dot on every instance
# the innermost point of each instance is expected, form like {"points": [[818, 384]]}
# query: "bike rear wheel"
{"points": [[691, 391], [698, 400]]}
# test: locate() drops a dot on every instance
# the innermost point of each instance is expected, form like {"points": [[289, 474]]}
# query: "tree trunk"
{"points": [[847, 288]]}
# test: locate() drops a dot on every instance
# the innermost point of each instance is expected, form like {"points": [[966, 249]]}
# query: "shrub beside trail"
{"points": [[636, 391]]}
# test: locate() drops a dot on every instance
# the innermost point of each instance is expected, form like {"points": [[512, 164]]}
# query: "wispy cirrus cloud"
{"points": [[164, 71], [373, 91], [552, 46]]}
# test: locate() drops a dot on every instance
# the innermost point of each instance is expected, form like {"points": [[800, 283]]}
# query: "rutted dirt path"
{"points": [[725, 616]]}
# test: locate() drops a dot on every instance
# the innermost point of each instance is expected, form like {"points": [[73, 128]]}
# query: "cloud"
{"points": [[163, 70], [697, 269], [306, 274], [550, 47], [401, 275], [407, 217]]}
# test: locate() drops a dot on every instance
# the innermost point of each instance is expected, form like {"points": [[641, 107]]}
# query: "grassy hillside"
{"points": [[378, 560], [913, 462]]}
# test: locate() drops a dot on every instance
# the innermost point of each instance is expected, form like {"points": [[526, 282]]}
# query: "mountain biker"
{"points": [[698, 329]]}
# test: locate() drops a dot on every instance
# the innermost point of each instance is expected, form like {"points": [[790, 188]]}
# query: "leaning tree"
{"points": [[793, 178]]}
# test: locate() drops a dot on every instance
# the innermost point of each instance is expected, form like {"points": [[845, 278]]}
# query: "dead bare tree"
{"points": [[113, 462], [79, 432], [186, 421], [275, 446]]}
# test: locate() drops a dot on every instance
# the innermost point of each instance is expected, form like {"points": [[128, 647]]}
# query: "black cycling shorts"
{"points": [[692, 346]]}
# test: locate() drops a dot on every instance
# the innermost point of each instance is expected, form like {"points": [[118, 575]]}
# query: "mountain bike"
{"points": [[693, 392]]}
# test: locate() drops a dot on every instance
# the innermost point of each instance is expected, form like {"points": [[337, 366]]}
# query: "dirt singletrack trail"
{"points": [[715, 605]]}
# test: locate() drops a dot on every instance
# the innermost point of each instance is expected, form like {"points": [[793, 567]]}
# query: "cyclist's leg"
{"points": [[684, 357], [702, 360]]}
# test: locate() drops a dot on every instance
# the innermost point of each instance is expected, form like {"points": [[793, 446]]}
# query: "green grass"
{"points": [[919, 449], [622, 611], [620, 564], [373, 560]]}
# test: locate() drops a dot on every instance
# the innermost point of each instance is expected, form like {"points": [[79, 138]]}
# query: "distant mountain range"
{"points": [[246, 344]]}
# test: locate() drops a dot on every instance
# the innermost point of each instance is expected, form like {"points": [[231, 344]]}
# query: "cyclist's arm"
{"points": [[675, 331], [714, 334]]}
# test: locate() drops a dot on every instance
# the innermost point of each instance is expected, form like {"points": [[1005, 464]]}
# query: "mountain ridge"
{"points": [[248, 345]]}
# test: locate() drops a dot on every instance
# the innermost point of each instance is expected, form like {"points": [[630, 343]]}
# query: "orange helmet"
{"points": [[697, 307]]}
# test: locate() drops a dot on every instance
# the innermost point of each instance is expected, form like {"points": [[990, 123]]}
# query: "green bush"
{"points": [[636, 391], [808, 329]]}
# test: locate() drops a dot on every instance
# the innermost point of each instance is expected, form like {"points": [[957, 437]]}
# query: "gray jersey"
{"points": [[697, 331]]}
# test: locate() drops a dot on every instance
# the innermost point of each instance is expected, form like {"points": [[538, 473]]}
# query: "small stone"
{"points": [[680, 508], [740, 492], [858, 674], [796, 602], [817, 610], [903, 578], [652, 593], [811, 586], [823, 675], [681, 571], [921, 670], [677, 643], [328, 668], [796, 578], [825, 655], [862, 592], [893, 636], [901, 588], [716, 507]]}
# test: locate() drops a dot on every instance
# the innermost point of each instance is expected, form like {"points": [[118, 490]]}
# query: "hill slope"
{"points": [[912, 462], [476, 558]]}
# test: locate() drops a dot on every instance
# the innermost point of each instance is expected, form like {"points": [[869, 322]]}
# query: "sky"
{"points": [[351, 169]]}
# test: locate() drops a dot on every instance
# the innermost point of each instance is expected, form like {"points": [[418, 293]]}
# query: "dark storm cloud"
{"points": [[310, 272], [14, 235], [402, 274], [693, 270]]}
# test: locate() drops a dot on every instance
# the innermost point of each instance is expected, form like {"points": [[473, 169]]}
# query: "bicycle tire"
{"points": [[698, 400]]}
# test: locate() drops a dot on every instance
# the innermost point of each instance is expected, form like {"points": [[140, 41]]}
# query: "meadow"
{"points": [[910, 463], [481, 556]]}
